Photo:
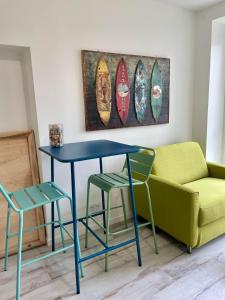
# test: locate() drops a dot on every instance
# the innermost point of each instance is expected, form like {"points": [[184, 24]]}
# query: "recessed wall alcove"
{"points": [[17, 100], [18, 159]]}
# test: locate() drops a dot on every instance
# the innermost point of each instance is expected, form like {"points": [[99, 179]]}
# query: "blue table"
{"points": [[74, 152]]}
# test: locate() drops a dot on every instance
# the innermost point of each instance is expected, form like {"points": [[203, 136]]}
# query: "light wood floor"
{"points": [[171, 275]]}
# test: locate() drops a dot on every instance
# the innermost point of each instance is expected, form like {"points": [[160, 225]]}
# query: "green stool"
{"points": [[141, 165], [25, 200]]}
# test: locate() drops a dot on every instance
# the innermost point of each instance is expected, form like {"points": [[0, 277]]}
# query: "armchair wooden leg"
{"points": [[189, 249]]}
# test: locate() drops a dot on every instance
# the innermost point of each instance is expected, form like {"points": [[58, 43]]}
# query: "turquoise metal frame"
{"points": [[74, 152], [25, 200], [141, 169]]}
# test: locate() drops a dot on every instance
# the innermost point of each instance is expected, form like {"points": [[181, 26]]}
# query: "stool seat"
{"points": [[35, 196], [108, 181]]}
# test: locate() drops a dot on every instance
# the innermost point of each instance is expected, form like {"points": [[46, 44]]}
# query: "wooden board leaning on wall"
{"points": [[18, 169]]}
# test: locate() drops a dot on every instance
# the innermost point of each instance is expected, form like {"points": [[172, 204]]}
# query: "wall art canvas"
{"points": [[122, 90]]}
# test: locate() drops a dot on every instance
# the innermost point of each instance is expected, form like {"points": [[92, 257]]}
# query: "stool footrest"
{"points": [[93, 233], [98, 213], [106, 250], [30, 261], [96, 222], [129, 229], [106, 247], [30, 229]]}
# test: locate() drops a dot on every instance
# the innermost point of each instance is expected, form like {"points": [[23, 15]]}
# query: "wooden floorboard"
{"points": [[171, 275]]}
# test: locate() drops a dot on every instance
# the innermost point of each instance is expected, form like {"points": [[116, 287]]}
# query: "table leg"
{"points": [[103, 195], [53, 207], [75, 229], [134, 211]]}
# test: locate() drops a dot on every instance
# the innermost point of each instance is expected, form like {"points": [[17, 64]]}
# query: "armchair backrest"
{"points": [[181, 163]]}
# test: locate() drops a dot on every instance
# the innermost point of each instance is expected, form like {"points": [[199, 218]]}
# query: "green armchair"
{"points": [[188, 194]]}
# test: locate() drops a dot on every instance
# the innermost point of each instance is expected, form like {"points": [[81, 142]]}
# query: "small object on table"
{"points": [[56, 135]]}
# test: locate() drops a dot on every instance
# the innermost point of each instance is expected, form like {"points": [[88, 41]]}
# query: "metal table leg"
{"points": [[134, 210], [103, 195], [53, 207], [75, 229]]}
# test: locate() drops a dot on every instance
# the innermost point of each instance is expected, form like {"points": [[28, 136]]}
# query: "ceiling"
{"points": [[193, 4]]}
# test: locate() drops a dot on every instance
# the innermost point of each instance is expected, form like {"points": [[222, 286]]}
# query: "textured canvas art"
{"points": [[123, 90]]}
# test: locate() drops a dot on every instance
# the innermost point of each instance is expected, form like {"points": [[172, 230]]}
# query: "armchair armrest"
{"points": [[216, 170], [175, 208]]}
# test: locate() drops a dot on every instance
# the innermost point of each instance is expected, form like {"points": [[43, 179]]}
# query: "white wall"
{"points": [[202, 71], [57, 30], [215, 124]]}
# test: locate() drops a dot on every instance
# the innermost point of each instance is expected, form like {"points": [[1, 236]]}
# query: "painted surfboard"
{"points": [[140, 91], [156, 91], [122, 91], [103, 91]]}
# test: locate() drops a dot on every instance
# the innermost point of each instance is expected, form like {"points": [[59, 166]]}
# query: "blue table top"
{"points": [[73, 152]]}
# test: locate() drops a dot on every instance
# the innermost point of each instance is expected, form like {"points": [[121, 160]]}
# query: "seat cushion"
{"points": [[211, 199], [180, 163]]}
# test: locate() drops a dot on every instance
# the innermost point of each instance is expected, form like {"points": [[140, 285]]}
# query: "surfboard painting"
{"points": [[140, 91], [122, 91], [156, 91], [103, 91]]}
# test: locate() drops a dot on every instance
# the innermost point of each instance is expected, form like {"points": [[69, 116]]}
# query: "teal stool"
{"points": [[141, 165], [25, 200]]}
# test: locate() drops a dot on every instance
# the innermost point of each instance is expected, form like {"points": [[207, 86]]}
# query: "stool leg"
{"points": [[107, 229], [53, 225], [103, 196], [87, 213], [60, 224], [7, 239], [19, 255], [134, 212], [79, 251], [124, 208], [152, 218]]}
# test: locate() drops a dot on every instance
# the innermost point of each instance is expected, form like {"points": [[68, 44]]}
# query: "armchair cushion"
{"points": [[180, 163], [211, 199]]}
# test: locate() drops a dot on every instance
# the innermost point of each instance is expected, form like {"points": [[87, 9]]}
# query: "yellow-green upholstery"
{"points": [[211, 199], [180, 163], [188, 194]]}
